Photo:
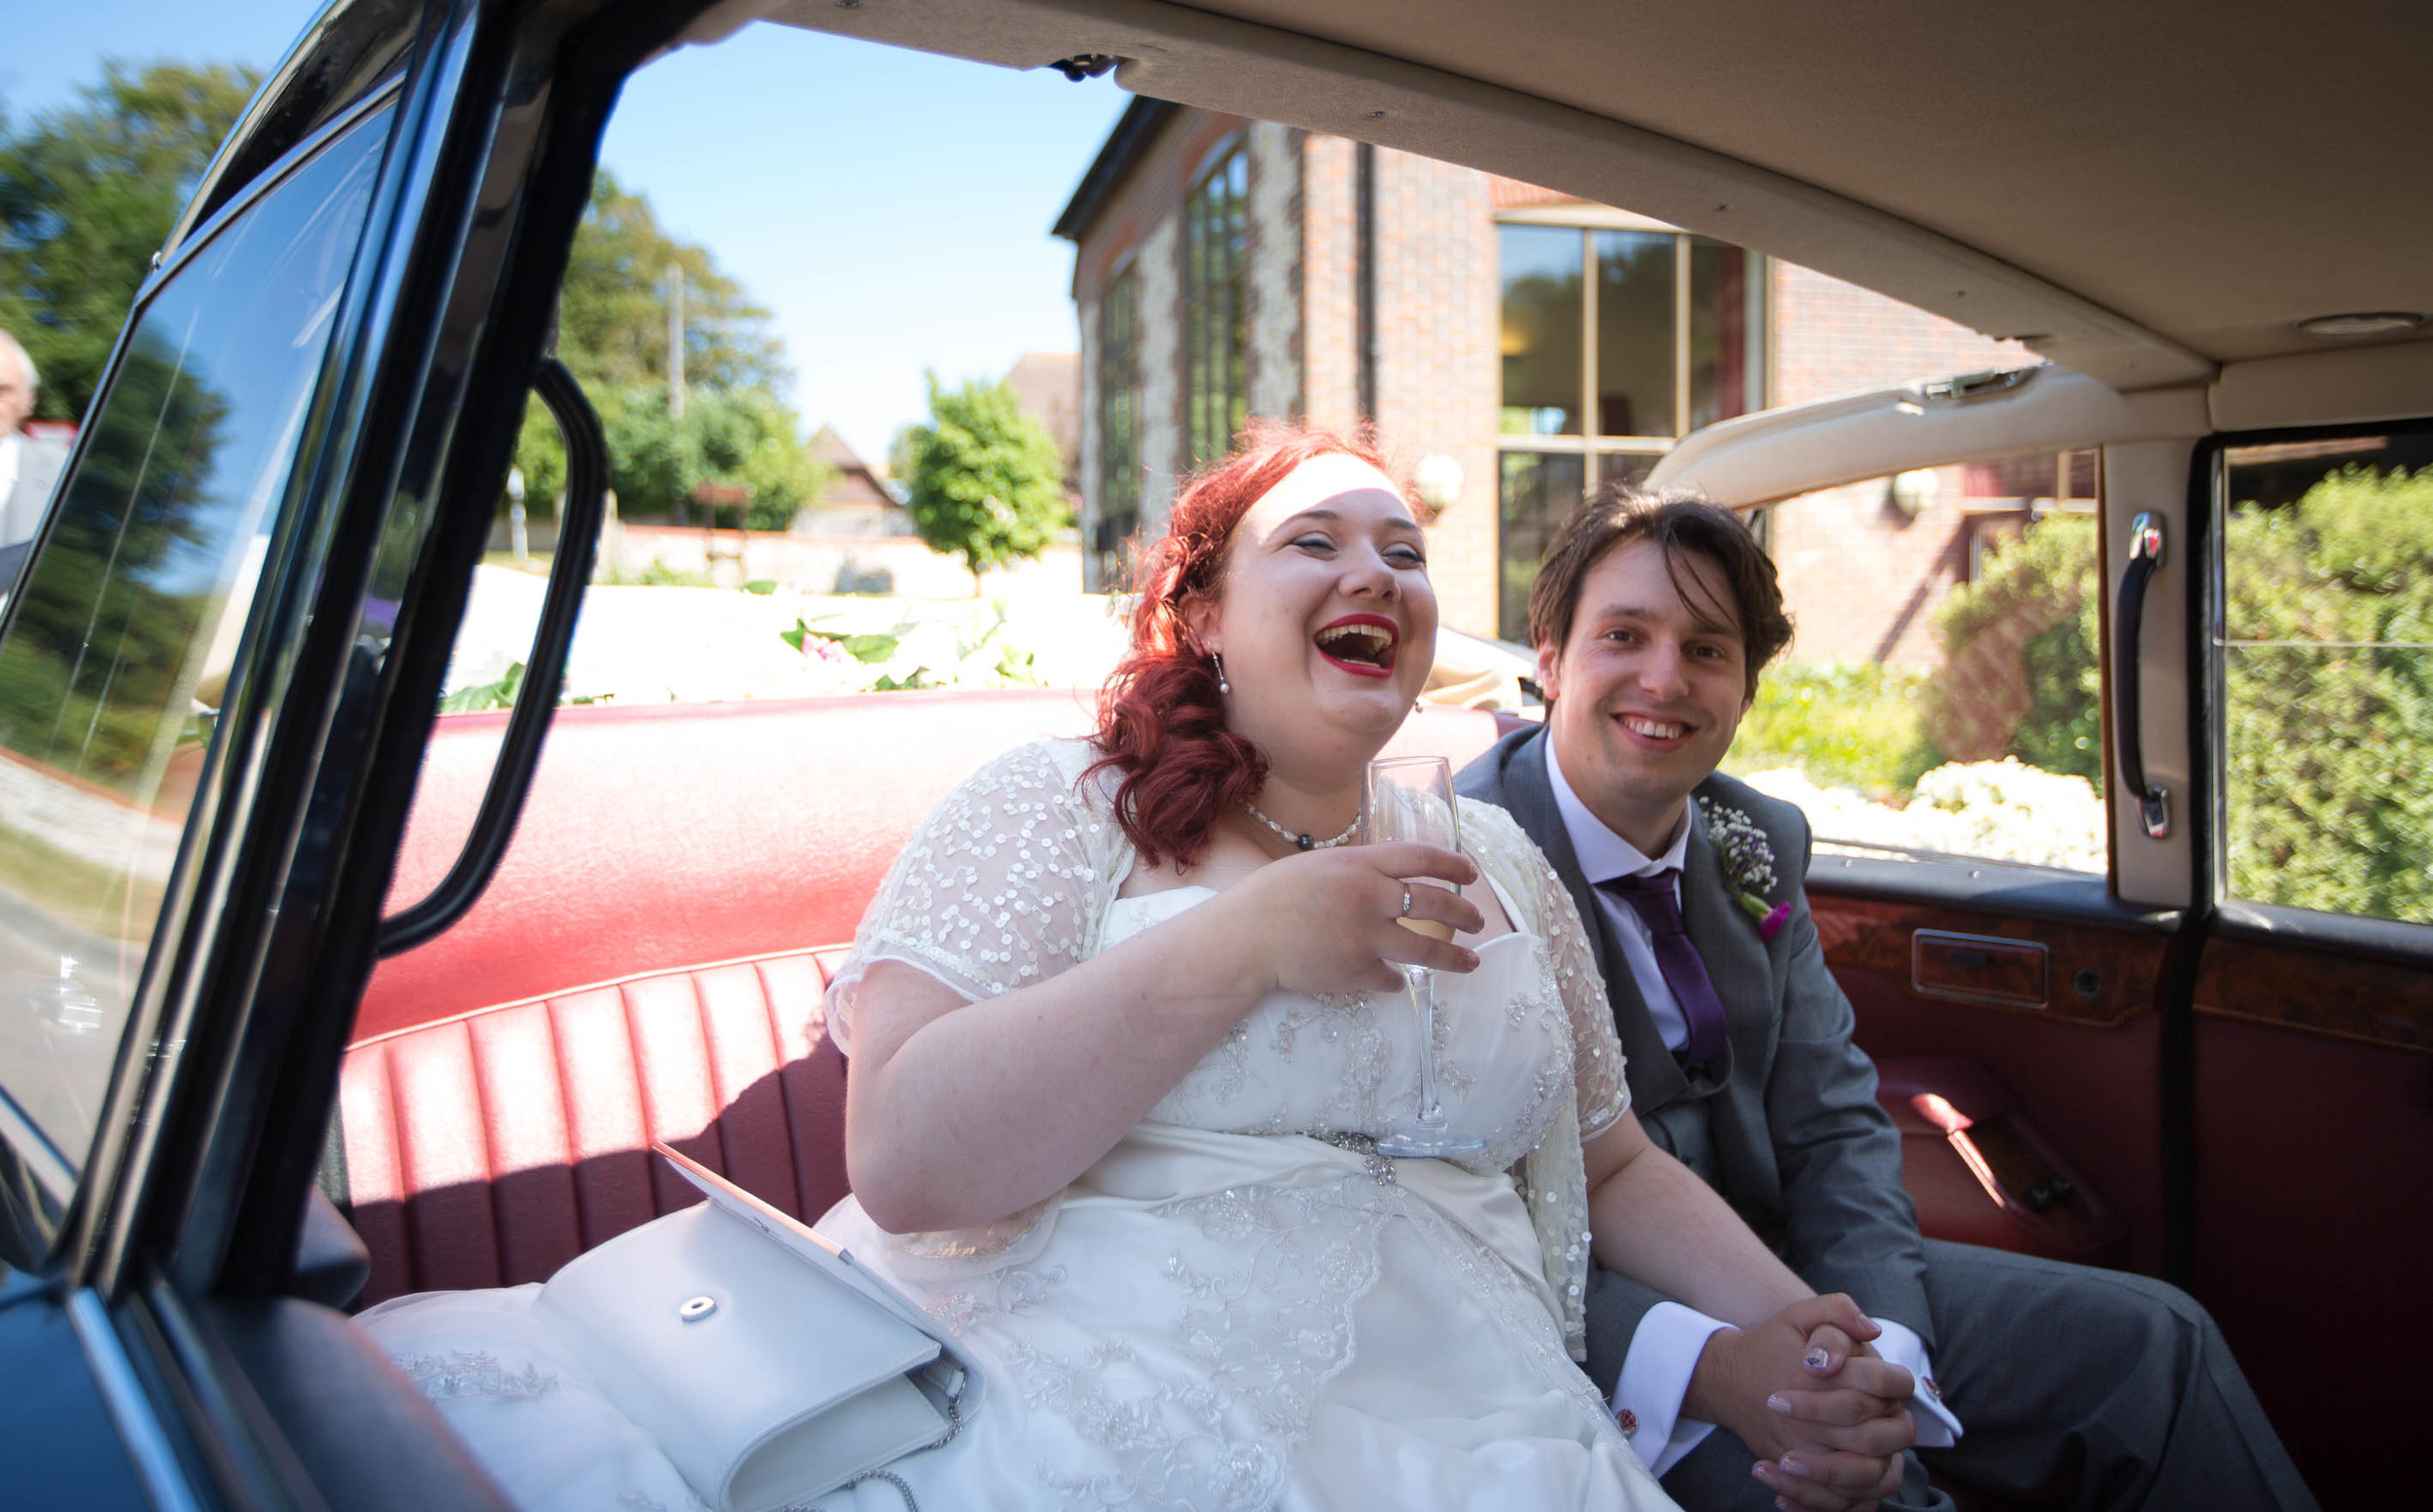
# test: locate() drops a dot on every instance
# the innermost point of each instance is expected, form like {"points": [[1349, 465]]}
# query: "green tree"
{"points": [[612, 335], [984, 479], [87, 194], [731, 437], [612, 311]]}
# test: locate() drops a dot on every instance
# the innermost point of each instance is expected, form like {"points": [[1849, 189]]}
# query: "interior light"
{"points": [[2348, 327]]}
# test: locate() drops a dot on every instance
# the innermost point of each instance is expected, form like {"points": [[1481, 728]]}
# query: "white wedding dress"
{"points": [[1242, 1305]]}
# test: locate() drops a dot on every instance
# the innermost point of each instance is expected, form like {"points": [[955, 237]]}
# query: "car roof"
{"points": [[2145, 193]]}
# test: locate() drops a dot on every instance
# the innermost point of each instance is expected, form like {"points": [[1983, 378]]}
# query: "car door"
{"points": [[2196, 1048], [123, 666], [2311, 1037], [216, 675]]}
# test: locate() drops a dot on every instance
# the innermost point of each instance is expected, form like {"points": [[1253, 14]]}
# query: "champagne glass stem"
{"points": [[1424, 999]]}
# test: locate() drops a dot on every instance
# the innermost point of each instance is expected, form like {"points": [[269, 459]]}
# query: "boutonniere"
{"points": [[1746, 858]]}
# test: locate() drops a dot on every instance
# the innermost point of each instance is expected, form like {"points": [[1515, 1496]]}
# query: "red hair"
{"points": [[1161, 719]]}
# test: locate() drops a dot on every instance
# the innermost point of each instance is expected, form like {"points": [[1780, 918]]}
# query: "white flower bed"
{"points": [[2003, 810]]}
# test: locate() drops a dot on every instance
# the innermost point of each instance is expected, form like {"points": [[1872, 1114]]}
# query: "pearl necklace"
{"points": [[1304, 841]]}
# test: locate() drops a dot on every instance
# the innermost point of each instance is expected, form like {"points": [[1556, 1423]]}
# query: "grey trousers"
{"points": [[2082, 1388]]}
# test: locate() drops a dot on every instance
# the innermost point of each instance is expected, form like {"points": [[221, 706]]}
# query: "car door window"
{"points": [[120, 643], [2325, 639], [1942, 693]]}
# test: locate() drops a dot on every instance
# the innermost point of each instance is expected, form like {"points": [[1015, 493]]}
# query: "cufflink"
{"points": [[1932, 1390], [1627, 1421]]}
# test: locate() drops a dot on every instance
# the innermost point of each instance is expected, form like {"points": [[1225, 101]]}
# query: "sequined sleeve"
{"points": [[1006, 882], [1597, 1066], [1553, 1178]]}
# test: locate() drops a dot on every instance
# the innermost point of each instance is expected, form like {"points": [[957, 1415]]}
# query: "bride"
{"points": [[1125, 1023]]}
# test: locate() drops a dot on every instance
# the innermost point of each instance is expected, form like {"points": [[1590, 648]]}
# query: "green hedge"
{"points": [[2330, 753], [1846, 725]]}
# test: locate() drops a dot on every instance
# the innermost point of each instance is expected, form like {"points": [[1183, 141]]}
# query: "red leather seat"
{"points": [[508, 1077], [491, 1148]]}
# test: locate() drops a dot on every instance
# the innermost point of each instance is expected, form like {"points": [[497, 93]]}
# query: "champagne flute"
{"points": [[1410, 798]]}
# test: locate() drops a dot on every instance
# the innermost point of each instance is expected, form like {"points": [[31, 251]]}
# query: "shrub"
{"points": [[2330, 750], [1844, 725]]}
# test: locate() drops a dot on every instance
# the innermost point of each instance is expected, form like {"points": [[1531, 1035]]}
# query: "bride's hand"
{"points": [[1329, 920]]}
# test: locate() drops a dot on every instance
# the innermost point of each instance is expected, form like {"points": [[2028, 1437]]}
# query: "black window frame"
{"points": [[1117, 364], [2405, 941], [1605, 457], [80, 1187], [1215, 252]]}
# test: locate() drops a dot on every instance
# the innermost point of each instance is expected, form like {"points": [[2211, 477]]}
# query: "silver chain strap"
{"points": [[912, 1503]]}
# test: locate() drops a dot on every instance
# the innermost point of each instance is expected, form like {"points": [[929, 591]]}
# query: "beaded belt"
{"points": [[1380, 1166]]}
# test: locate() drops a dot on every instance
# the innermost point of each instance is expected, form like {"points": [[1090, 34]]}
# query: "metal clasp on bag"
{"points": [[699, 1307]]}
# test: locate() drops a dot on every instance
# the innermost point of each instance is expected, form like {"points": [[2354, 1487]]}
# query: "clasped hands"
{"points": [[1827, 1419]]}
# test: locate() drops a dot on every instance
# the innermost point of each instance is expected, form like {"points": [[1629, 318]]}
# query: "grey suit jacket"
{"points": [[1785, 1123]]}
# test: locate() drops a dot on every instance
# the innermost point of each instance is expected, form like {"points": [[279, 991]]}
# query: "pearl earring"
{"points": [[1222, 686]]}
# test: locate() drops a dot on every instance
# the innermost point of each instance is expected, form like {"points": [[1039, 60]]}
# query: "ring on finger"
{"points": [[1406, 901]]}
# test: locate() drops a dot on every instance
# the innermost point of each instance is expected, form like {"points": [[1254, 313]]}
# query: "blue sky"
{"points": [[890, 208]]}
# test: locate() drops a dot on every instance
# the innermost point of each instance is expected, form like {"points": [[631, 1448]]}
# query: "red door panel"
{"points": [[2313, 1206], [2080, 1074]]}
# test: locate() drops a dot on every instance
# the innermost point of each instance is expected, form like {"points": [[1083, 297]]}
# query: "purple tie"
{"points": [[1659, 908]]}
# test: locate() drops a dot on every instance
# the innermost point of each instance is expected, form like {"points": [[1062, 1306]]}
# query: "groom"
{"points": [[1652, 618]]}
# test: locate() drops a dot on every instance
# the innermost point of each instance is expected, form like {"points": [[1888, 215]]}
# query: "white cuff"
{"points": [[1937, 1427], [1655, 1378]]}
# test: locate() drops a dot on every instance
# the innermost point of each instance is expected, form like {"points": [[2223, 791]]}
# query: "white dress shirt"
{"points": [[1664, 1350]]}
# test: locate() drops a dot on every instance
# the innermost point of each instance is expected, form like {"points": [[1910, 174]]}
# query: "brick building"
{"points": [[1508, 340]]}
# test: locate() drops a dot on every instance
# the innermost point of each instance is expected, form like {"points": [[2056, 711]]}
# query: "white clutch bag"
{"points": [[771, 1368]]}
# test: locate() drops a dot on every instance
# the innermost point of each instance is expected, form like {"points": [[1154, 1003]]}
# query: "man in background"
{"points": [[28, 466]]}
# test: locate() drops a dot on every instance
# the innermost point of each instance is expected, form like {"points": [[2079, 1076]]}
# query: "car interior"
{"points": [[407, 1015]]}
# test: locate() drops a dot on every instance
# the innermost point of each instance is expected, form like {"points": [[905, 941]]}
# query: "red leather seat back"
{"points": [[489, 1149], [656, 837]]}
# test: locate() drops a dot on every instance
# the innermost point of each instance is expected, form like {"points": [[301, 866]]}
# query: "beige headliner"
{"points": [[2142, 190]]}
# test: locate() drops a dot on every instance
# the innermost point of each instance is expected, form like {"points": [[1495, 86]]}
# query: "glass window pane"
{"points": [[1726, 332], [1535, 492], [1215, 314], [1943, 693], [1629, 469], [1543, 380], [126, 624], [1634, 333], [2327, 666]]}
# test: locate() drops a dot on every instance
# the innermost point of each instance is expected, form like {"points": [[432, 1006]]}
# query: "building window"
{"points": [[1616, 342], [1215, 317], [1119, 432]]}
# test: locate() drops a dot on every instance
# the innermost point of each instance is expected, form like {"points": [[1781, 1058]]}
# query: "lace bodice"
{"points": [[1348, 1064], [1014, 877]]}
